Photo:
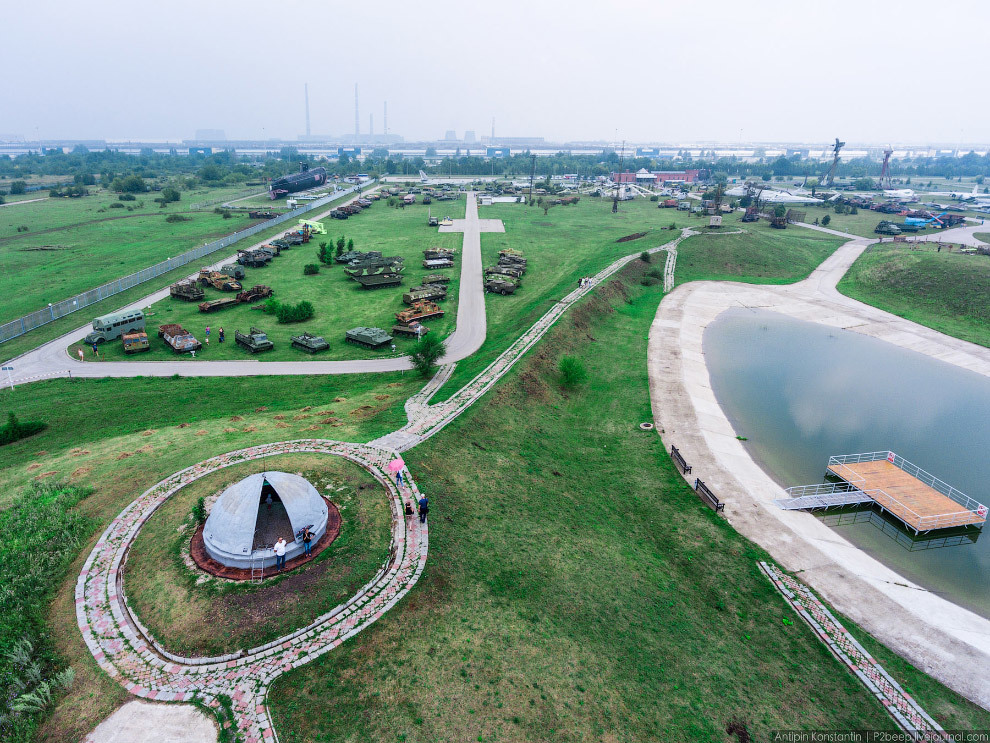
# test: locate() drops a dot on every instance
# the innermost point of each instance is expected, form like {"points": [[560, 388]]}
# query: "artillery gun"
{"points": [[188, 290], [254, 341], [218, 304], [500, 286], [310, 343], [368, 337], [425, 293], [256, 292], [218, 280], [421, 310]]}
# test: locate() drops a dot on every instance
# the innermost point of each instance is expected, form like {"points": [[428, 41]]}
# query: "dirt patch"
{"points": [[262, 409], [299, 417], [230, 430], [183, 425], [278, 417], [201, 432], [329, 421], [45, 247], [249, 429], [534, 387], [146, 449], [80, 471], [123, 455], [382, 397], [312, 428], [308, 407], [633, 236], [40, 453], [394, 384], [43, 475], [35, 466], [340, 399], [281, 425], [236, 418], [325, 413], [149, 432], [362, 412]]}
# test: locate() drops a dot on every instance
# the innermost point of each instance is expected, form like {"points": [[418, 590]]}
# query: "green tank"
{"points": [[436, 278], [254, 341], [349, 256], [368, 337], [310, 343], [887, 228], [379, 280], [188, 290], [425, 293]]}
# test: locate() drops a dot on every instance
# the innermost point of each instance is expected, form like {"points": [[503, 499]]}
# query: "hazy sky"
{"points": [[864, 70]]}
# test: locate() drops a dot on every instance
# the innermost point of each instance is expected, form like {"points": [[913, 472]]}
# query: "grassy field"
{"points": [[77, 244], [340, 302], [577, 590], [121, 436], [863, 223], [983, 236], [575, 241], [949, 292], [218, 617]]}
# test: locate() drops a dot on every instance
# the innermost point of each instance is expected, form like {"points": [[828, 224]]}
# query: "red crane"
{"points": [[885, 170]]}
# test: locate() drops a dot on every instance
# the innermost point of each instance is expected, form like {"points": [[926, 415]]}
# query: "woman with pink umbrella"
{"points": [[396, 466]]}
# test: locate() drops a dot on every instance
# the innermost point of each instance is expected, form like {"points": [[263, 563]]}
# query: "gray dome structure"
{"points": [[243, 525]]}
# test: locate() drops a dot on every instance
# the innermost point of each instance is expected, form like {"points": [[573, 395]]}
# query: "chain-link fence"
{"points": [[67, 306]]}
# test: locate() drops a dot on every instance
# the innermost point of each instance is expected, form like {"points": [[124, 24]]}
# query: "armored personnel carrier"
{"points": [[512, 271], [310, 343], [419, 311], [436, 278], [256, 292], [434, 253], [180, 340], [218, 280], [414, 328], [500, 286], [368, 337], [510, 252], [437, 263], [233, 271], [254, 341], [188, 290], [135, 342], [425, 293], [218, 304], [379, 280]]}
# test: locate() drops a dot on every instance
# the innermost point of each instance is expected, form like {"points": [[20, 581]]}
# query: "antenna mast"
{"points": [[615, 201], [532, 175], [885, 170]]}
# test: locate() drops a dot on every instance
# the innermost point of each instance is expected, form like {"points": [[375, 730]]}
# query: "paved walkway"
{"points": [[51, 360], [155, 723], [948, 642]]}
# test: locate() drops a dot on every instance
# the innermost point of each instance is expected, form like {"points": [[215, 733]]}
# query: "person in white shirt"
{"points": [[280, 554]]}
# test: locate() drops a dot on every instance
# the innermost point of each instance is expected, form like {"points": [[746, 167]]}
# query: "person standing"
{"points": [[207, 333], [220, 336], [280, 554], [307, 540], [398, 478], [96, 349], [424, 509]]}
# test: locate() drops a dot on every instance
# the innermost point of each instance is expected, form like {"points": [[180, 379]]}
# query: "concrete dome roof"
{"points": [[229, 531]]}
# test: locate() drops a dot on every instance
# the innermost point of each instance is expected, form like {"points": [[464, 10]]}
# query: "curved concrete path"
{"points": [[51, 359], [948, 642]]}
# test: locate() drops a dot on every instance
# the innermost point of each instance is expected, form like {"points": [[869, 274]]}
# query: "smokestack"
{"points": [[371, 125], [357, 126], [386, 117], [306, 89]]}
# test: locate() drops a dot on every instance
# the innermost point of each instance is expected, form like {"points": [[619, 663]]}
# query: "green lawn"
{"points": [[340, 302], [949, 292], [577, 590], [219, 617], [863, 223]]}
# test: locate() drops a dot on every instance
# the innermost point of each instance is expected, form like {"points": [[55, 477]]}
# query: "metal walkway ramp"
{"points": [[826, 495]]}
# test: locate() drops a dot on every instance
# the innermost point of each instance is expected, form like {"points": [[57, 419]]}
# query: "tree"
{"points": [[210, 173], [431, 151], [572, 372], [780, 210], [18, 187], [826, 219], [350, 245], [428, 352], [169, 194]]}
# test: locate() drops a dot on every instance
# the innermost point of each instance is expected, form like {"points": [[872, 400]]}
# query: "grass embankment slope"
{"points": [[577, 590], [218, 617], [121, 436], [580, 240], [340, 302], [948, 292]]}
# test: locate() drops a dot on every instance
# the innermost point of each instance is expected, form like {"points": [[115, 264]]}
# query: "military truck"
{"points": [[254, 341], [379, 280], [218, 280], [256, 292], [310, 343], [425, 293], [233, 271], [188, 290], [254, 258], [111, 327], [437, 263], [413, 328], [500, 286], [218, 304], [180, 340], [434, 253], [419, 311], [136, 342], [887, 228], [436, 278], [368, 337]]}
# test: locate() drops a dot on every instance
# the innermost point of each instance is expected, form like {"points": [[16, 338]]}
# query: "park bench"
{"points": [[708, 496], [679, 460]]}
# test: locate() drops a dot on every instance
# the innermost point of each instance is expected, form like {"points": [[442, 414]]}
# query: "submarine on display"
{"points": [[306, 178]]}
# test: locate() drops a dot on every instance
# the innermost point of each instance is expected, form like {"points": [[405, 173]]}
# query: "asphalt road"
{"points": [[51, 360]]}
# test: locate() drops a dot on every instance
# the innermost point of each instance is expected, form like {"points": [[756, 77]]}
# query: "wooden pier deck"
{"points": [[919, 506]]}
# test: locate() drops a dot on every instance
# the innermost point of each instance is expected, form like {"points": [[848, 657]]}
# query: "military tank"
{"points": [[425, 293], [233, 271], [188, 290], [349, 256], [310, 343], [368, 337], [419, 311], [218, 280], [500, 286], [379, 280], [887, 228], [254, 341]]}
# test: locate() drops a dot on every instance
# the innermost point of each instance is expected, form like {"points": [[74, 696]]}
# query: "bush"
{"points": [[646, 257], [171, 218], [428, 352], [286, 313], [116, 205], [127, 197], [673, 225], [826, 219], [13, 430], [18, 187], [311, 269], [199, 510], [654, 197], [572, 372], [655, 273]]}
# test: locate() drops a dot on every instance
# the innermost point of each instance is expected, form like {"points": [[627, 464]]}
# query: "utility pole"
{"points": [[532, 175], [615, 201]]}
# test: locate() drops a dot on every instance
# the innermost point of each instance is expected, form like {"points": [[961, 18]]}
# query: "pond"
{"points": [[800, 392]]}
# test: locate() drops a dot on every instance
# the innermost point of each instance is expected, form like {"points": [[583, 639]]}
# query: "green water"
{"points": [[801, 392]]}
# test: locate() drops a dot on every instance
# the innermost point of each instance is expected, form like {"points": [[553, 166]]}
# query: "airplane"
{"points": [[422, 177], [961, 195], [900, 194]]}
